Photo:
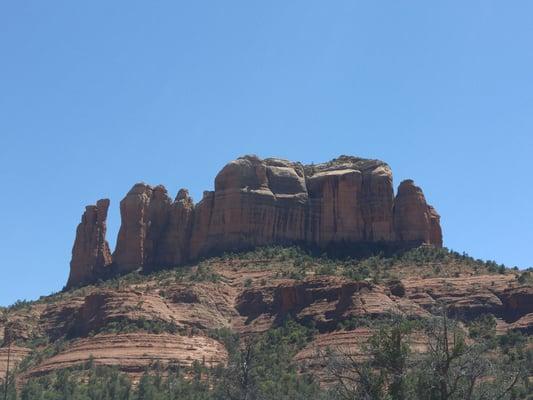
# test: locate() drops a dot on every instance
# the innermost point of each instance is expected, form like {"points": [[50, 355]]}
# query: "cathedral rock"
{"points": [[346, 201]]}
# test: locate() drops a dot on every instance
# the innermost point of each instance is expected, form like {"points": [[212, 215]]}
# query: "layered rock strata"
{"points": [[116, 324], [345, 202], [104, 325]]}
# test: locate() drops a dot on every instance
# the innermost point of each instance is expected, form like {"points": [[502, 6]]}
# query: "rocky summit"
{"points": [[346, 202]]}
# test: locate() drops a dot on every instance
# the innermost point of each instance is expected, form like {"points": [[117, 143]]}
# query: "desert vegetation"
{"points": [[459, 359], [460, 363]]}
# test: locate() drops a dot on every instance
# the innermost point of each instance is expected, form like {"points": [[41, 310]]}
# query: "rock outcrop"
{"points": [[173, 248], [134, 353], [255, 203], [145, 214], [91, 250], [115, 324], [414, 219], [346, 202], [178, 318], [351, 200]]}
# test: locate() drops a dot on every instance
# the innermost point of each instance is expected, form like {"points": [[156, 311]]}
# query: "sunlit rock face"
{"points": [[414, 220], [145, 214], [91, 251], [257, 202], [351, 201]]}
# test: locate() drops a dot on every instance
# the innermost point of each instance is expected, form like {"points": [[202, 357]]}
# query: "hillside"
{"points": [[182, 316], [288, 281]]}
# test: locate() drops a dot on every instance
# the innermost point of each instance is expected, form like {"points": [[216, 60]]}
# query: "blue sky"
{"points": [[95, 96]]}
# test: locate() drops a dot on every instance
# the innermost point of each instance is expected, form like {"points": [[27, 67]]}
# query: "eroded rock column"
{"points": [[91, 250]]}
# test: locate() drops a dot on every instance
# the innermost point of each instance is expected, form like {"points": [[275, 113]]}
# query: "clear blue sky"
{"points": [[95, 96]]}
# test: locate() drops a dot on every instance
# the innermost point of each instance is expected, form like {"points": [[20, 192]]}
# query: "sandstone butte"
{"points": [[348, 201]]}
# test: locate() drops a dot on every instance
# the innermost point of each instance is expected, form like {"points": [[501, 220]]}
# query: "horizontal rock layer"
{"points": [[135, 352], [15, 355], [248, 298], [345, 202]]}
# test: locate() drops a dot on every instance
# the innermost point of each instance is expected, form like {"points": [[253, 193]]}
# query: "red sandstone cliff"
{"points": [[258, 202], [91, 250], [414, 218]]}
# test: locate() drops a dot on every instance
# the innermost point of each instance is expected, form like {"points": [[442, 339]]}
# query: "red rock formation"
{"points": [[414, 220], [335, 211], [15, 354], [261, 202], [130, 249], [435, 236], [145, 215], [201, 222], [173, 248], [199, 308], [91, 250], [351, 201], [133, 353], [257, 202]]}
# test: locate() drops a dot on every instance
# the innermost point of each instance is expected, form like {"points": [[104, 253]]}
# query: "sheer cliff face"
{"points": [[351, 201], [255, 203], [261, 202], [144, 213], [90, 251], [414, 219]]}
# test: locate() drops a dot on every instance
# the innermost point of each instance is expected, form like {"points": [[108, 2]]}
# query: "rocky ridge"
{"points": [[169, 317], [346, 202]]}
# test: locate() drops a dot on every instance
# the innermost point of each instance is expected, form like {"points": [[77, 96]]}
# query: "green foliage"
{"points": [[130, 326], [194, 383], [41, 350], [353, 322], [512, 340], [358, 263], [103, 383], [483, 327], [452, 368], [525, 277], [456, 369], [385, 375], [261, 367], [20, 305], [297, 262], [226, 336], [9, 390], [204, 273]]}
